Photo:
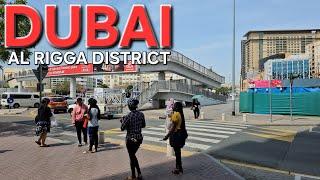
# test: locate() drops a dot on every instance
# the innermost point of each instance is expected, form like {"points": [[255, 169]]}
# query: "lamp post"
{"points": [[291, 78], [233, 60], [270, 97]]}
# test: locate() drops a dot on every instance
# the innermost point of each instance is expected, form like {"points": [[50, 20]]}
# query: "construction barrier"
{"points": [[307, 103]]}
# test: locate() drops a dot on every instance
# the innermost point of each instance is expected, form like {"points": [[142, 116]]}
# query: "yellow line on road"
{"points": [[288, 138], [276, 129], [276, 133]]}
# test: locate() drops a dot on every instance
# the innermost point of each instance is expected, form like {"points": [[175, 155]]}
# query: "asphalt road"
{"points": [[263, 146]]}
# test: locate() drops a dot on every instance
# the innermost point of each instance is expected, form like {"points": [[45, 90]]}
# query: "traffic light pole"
{"points": [[40, 83]]}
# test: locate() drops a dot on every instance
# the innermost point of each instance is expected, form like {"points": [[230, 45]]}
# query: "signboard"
{"points": [[69, 70], [82, 69], [265, 83], [130, 67]]}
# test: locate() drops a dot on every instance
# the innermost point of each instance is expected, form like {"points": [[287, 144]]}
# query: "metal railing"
{"points": [[173, 57]]}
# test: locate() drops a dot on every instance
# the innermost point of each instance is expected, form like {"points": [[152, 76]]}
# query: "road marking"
{"points": [[155, 148], [214, 127], [188, 144], [275, 129], [202, 134], [189, 137], [220, 123], [276, 133], [201, 129], [288, 138]]}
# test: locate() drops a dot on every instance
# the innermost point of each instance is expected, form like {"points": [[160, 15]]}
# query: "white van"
{"points": [[20, 99]]}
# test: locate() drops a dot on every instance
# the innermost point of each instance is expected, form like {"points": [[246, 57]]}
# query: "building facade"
{"points": [[313, 50], [282, 68], [261, 44], [123, 80]]}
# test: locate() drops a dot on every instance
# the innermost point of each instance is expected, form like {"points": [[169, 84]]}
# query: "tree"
{"points": [[223, 91], [64, 88], [23, 27]]}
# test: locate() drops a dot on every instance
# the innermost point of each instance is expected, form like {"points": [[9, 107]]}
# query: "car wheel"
{"points": [[36, 105], [16, 105]]}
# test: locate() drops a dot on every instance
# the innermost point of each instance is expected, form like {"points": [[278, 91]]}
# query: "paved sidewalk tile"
{"points": [[21, 158]]}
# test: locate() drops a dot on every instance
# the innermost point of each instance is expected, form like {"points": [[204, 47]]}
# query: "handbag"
{"points": [[85, 121], [53, 121]]}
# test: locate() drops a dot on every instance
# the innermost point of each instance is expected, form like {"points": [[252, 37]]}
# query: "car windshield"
{"points": [[4, 96], [57, 99]]}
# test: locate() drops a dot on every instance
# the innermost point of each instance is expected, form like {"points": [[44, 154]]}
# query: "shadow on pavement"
{"points": [[9, 129], [302, 155], [3, 151], [195, 167], [109, 146]]}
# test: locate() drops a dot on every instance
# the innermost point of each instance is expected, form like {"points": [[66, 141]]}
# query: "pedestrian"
{"points": [[169, 112], [79, 114], [177, 135], [42, 121], [196, 108], [93, 124], [133, 123]]}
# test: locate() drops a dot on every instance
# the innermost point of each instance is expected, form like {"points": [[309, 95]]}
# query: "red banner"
{"points": [[69, 70], [265, 83], [130, 67]]}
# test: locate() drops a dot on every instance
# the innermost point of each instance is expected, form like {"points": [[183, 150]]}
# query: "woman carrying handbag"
{"points": [[177, 135]]}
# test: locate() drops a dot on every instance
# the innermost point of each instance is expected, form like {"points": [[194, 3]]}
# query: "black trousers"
{"points": [[177, 152], [79, 127], [196, 112], [132, 148], [93, 137]]}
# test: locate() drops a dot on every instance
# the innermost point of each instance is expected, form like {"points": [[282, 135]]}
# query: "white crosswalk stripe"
{"points": [[202, 134]]}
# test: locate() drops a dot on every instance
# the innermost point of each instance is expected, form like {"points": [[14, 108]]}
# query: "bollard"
{"points": [[297, 177], [202, 115], [244, 117], [223, 117], [101, 137]]}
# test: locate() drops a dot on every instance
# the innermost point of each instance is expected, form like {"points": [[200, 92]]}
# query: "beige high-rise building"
{"points": [[258, 45], [313, 51]]}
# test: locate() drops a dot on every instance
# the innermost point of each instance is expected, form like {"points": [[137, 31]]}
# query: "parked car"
{"points": [[20, 99], [70, 100], [58, 104]]}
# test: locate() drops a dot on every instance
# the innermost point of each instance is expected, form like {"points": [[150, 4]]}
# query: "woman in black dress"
{"points": [[42, 121]]}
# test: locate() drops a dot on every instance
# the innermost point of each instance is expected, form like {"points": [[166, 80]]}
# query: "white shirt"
{"points": [[94, 118]]}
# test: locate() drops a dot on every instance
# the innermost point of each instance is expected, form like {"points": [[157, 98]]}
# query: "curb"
{"points": [[13, 113], [223, 166]]}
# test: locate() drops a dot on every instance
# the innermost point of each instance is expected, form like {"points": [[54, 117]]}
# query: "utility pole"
{"points": [[233, 60]]}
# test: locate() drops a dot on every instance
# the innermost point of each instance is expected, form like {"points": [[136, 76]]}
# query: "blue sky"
{"points": [[203, 29]]}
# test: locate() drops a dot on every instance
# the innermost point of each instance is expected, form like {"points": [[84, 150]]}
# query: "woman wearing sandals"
{"points": [[177, 135], [133, 123], [42, 121]]}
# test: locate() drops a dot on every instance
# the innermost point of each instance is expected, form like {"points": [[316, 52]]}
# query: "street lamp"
{"points": [[233, 59], [291, 78], [270, 97]]}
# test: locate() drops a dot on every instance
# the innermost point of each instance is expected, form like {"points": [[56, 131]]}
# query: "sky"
{"points": [[203, 29]]}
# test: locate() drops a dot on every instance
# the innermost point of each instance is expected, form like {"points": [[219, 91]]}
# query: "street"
{"points": [[287, 147]]}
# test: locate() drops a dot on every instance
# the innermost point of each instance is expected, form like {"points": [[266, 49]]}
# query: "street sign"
{"points": [[44, 71]]}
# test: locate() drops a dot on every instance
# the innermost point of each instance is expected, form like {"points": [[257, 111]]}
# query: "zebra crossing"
{"points": [[203, 134]]}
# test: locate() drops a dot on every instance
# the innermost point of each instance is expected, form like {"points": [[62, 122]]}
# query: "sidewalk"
{"points": [[12, 111], [214, 112], [21, 158]]}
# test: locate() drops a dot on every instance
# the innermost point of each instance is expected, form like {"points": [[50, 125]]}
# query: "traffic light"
{"points": [[43, 70]]}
